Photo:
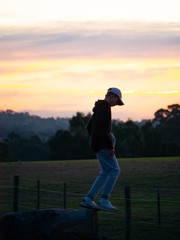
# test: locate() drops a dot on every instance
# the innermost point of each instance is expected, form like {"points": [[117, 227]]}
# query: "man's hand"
{"points": [[112, 152]]}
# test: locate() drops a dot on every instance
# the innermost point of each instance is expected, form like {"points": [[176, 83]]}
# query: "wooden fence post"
{"points": [[38, 194], [16, 194], [127, 213], [158, 207], [64, 199]]}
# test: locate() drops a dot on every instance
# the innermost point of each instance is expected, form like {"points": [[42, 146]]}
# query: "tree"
{"points": [[161, 115], [174, 112], [80, 137], [169, 123], [165, 115], [26, 149], [61, 146], [134, 139], [3, 151], [78, 123], [151, 140], [72, 144], [26, 125], [128, 139]]}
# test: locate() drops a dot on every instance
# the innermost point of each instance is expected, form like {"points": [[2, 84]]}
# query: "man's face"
{"points": [[113, 100]]}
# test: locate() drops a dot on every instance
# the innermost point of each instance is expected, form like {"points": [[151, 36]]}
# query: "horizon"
{"points": [[69, 115], [62, 59]]}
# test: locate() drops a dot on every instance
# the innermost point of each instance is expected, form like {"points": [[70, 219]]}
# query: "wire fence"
{"points": [[144, 213]]}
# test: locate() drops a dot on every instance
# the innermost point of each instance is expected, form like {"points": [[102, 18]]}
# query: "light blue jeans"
{"points": [[107, 177]]}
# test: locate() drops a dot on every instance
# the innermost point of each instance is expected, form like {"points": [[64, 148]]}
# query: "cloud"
{"points": [[67, 66], [57, 40]]}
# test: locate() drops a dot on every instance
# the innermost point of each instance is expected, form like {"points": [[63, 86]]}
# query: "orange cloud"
{"points": [[70, 66]]}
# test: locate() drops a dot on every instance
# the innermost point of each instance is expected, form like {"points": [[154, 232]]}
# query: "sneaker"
{"points": [[106, 206], [88, 204]]}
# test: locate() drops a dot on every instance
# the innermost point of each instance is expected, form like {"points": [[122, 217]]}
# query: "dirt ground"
{"points": [[87, 170]]}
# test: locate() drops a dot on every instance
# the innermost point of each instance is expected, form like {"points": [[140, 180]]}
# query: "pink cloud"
{"points": [[91, 39]]}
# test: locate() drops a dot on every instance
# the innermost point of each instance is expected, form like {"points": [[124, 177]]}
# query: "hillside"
{"points": [[27, 125]]}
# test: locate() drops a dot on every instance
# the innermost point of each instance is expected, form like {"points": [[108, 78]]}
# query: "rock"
{"points": [[54, 224]]}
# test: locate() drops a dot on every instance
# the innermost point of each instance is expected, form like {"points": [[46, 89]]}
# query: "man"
{"points": [[102, 141]]}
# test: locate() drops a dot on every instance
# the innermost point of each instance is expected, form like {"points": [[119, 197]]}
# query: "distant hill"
{"points": [[27, 125]]}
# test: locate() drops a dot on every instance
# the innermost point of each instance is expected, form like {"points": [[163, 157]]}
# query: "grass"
{"points": [[143, 175]]}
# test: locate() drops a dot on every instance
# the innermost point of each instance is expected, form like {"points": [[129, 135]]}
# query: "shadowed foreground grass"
{"points": [[143, 175]]}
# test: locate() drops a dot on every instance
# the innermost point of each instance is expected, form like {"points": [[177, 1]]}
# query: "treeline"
{"points": [[26, 125], [157, 137]]}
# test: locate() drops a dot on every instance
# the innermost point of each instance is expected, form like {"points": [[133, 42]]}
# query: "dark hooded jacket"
{"points": [[99, 126]]}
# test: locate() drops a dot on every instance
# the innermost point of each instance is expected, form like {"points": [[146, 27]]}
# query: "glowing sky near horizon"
{"points": [[59, 57]]}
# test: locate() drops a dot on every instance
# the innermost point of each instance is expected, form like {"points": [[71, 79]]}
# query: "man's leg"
{"points": [[95, 189], [101, 179], [109, 173], [112, 168], [110, 164], [97, 186]]}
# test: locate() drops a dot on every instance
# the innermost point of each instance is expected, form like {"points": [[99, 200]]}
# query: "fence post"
{"points": [[38, 194], [64, 200], [158, 207], [127, 213], [16, 194]]}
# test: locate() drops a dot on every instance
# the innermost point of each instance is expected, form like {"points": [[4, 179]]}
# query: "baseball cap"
{"points": [[118, 93]]}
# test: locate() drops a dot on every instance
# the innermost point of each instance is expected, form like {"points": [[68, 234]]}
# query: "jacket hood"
{"points": [[100, 104]]}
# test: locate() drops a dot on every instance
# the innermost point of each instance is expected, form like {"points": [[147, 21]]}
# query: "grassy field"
{"points": [[143, 175]]}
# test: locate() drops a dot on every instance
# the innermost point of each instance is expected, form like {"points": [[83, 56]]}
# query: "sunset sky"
{"points": [[58, 57]]}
